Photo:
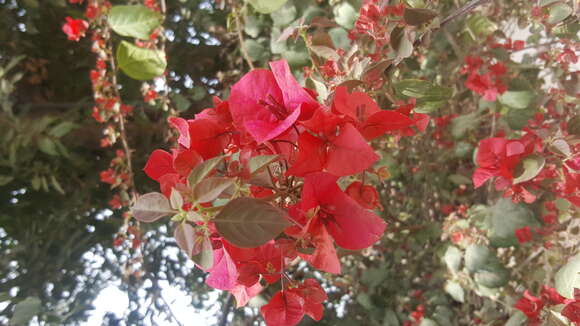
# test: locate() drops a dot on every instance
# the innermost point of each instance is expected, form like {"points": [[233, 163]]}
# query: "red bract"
{"points": [[287, 308], [572, 312], [75, 28], [367, 196], [531, 306], [266, 103], [484, 86], [365, 114], [551, 296], [524, 234], [497, 157], [325, 205]]}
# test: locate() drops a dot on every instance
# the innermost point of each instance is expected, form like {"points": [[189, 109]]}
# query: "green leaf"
{"points": [[25, 310], [427, 322], [560, 146], [259, 162], [568, 277], [4, 296], [139, 63], [151, 207], [464, 123], [574, 125], [339, 37], [256, 51], [266, 6], [480, 26], [181, 102], [530, 167], [492, 275], [517, 99], [402, 42], [455, 290], [175, 199], [205, 256], [61, 129], [559, 12], [284, 15], [517, 119], [252, 25], [505, 218], [250, 222], [418, 16], [476, 256], [47, 145], [201, 171], [5, 179], [209, 189], [134, 21], [517, 319], [452, 258], [345, 15], [325, 52], [429, 96]]}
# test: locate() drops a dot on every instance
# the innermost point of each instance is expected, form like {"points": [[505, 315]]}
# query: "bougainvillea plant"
{"points": [[277, 175], [253, 187]]}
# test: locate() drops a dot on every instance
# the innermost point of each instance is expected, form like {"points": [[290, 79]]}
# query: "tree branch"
{"points": [[463, 10], [226, 311]]}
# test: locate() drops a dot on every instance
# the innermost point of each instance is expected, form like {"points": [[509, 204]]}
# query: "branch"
{"points": [[241, 40], [226, 311], [463, 10]]}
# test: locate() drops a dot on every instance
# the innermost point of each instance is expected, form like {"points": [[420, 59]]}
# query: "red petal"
{"points": [[481, 175], [293, 94], [185, 160], [159, 163], [207, 138], [311, 155], [381, 122], [183, 127], [349, 153], [243, 294], [284, 309], [324, 257], [357, 105], [223, 274]]}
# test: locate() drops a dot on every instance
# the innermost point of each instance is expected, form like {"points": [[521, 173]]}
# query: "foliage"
{"points": [[430, 172]]}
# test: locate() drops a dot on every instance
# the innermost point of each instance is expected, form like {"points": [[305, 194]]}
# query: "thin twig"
{"points": [[463, 10], [226, 311], [170, 310], [241, 40]]}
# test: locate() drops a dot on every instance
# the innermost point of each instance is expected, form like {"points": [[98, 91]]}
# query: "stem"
{"points": [[241, 40], [169, 308], [463, 10]]}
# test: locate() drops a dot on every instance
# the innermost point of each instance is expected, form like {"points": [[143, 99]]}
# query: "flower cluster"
{"points": [[533, 306], [489, 84], [304, 148]]}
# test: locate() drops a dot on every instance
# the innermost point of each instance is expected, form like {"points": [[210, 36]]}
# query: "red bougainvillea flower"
{"points": [[551, 296], [333, 152], [572, 312], [524, 234], [206, 137], [365, 114], [75, 28], [366, 195], [531, 306], [484, 86], [497, 157], [287, 308], [266, 103], [325, 208]]}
